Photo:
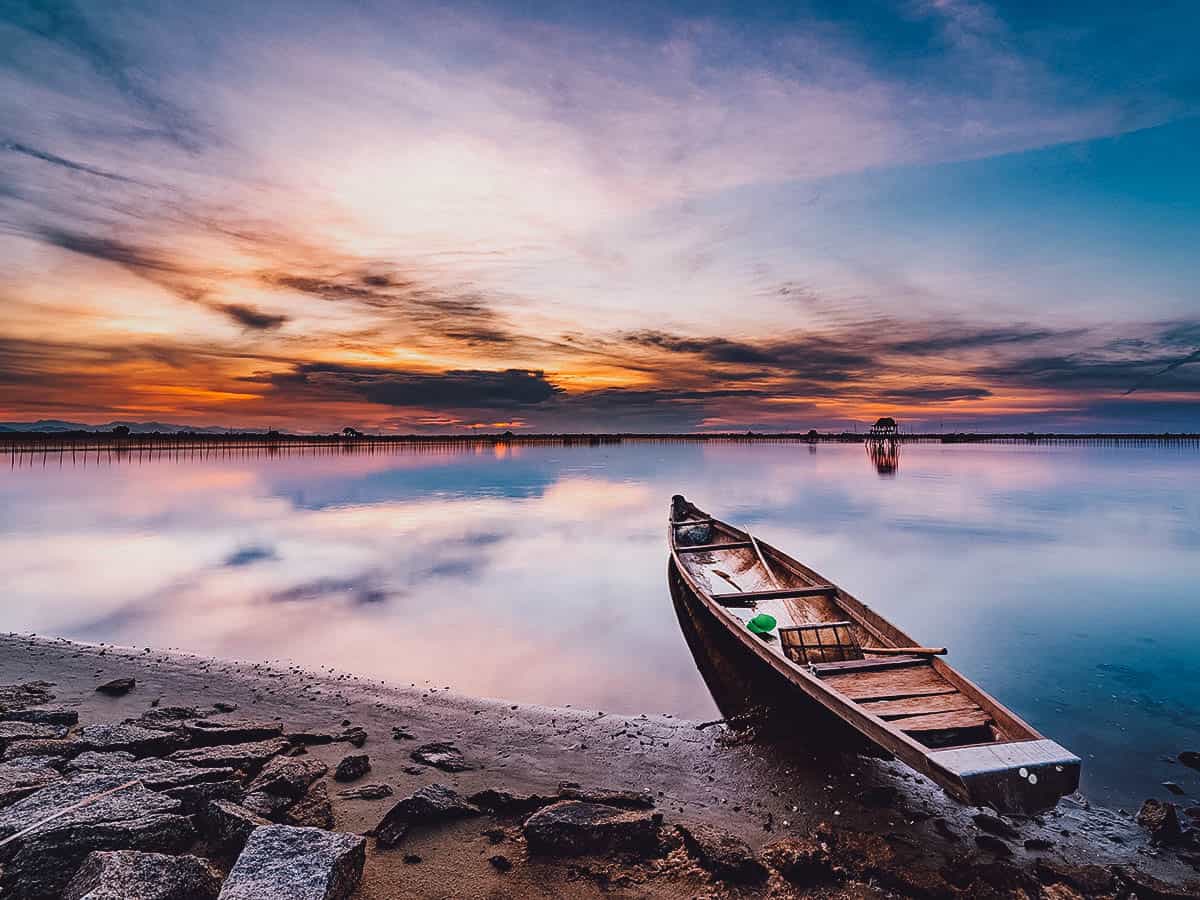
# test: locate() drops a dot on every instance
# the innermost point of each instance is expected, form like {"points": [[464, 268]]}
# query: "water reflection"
{"points": [[1060, 577], [884, 454]]}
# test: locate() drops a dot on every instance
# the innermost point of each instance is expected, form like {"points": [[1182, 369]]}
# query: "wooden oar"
{"points": [[905, 651]]}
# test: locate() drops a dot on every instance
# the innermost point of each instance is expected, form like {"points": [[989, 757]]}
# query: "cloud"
{"points": [[252, 318], [63, 162], [508, 389]]}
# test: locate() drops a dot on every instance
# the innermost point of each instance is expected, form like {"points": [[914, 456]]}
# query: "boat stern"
{"points": [[1014, 777]]}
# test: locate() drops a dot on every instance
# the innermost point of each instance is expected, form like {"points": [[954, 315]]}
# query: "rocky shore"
{"points": [[141, 774]]}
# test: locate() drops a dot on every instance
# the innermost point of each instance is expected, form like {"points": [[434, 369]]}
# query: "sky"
{"points": [[537, 216]]}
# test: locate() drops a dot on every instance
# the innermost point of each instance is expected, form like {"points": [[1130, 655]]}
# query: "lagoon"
{"points": [[1062, 577]]}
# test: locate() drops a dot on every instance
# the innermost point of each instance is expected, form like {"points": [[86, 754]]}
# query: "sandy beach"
{"points": [[886, 830]]}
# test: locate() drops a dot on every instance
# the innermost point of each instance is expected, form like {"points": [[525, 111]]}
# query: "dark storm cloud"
{"points": [[920, 394], [506, 389], [63, 162]]}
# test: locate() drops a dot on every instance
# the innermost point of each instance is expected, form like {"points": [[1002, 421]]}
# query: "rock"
{"points": [[281, 862], [42, 716], [367, 792], [502, 803], [1190, 758], [500, 862], [248, 757], [942, 827], [995, 825], [133, 818], [156, 774], [354, 736], [269, 806], [21, 781], [15, 697], [569, 790], [309, 738], [288, 776], [168, 717], [133, 875], [227, 826], [1092, 881], [993, 845], [1174, 788], [224, 706], [1147, 887], [726, 856], [431, 804], [132, 738], [352, 767], [118, 687], [207, 733], [441, 755], [802, 861], [1038, 844], [18, 749], [1161, 820], [574, 828], [313, 809], [1192, 812], [30, 731], [411, 859], [402, 734], [195, 797]]}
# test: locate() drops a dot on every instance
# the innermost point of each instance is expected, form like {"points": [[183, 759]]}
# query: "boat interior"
{"points": [[832, 636]]}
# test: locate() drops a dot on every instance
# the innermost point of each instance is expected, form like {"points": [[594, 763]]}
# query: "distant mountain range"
{"points": [[136, 427]]}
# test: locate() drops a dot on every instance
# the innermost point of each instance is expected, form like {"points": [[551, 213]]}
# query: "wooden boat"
{"points": [[855, 663]]}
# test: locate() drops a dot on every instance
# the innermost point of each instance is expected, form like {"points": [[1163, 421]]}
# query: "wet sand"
{"points": [[757, 790]]}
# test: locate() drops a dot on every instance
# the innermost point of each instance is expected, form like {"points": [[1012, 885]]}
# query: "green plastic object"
{"points": [[761, 624]]}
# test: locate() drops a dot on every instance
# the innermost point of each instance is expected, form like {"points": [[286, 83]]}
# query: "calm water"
{"points": [[1064, 579]]}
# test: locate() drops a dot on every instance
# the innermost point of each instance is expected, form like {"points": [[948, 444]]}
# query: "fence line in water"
{"points": [[81, 449]]}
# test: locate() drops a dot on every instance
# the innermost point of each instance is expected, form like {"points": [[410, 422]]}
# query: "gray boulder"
{"points": [[156, 774], [568, 790], [573, 828], [27, 731], [430, 805], [58, 716], [441, 755], [40, 863], [19, 749], [228, 826], [21, 781], [249, 757], [280, 862], [352, 767], [289, 776], [118, 687], [168, 717], [726, 856], [134, 739], [133, 875], [313, 809], [269, 806], [21, 696], [209, 733], [367, 792]]}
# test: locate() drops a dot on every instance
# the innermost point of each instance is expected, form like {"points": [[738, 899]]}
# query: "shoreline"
{"points": [[755, 790]]}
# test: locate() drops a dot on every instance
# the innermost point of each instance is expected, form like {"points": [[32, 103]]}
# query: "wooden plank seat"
{"points": [[708, 548], [864, 665], [919, 706], [742, 598]]}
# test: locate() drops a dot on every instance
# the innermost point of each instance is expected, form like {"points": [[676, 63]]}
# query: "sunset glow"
{"points": [[414, 218]]}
